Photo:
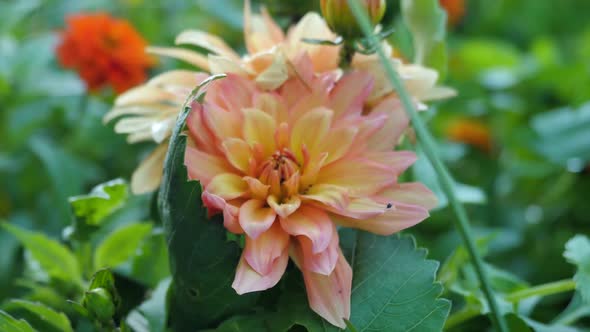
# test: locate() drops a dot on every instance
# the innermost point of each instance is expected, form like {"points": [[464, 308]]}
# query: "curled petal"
{"points": [[230, 219], [203, 166], [256, 219], [310, 131], [227, 186], [262, 252], [311, 222], [285, 208], [322, 262], [258, 189], [259, 127], [333, 196], [238, 153], [247, 280], [329, 296]]}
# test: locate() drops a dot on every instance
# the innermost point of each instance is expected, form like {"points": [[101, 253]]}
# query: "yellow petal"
{"points": [[310, 131], [259, 127], [146, 178], [207, 41], [238, 153], [227, 186], [191, 57]]}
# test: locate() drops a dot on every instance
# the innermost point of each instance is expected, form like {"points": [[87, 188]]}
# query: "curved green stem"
{"points": [[460, 316], [444, 177], [542, 290]]}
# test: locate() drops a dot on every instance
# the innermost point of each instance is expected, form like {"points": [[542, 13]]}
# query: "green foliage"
{"points": [[9, 323], [577, 251], [40, 316], [53, 257], [120, 245]]}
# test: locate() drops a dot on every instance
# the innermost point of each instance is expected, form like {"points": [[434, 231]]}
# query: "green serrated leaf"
{"points": [[40, 316], [577, 251], [394, 288], [120, 245], [55, 258], [202, 261], [90, 210], [11, 324]]}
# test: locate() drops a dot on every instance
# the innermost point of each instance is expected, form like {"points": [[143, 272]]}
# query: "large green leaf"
{"points": [[120, 245], [40, 316], [577, 251], [9, 323], [54, 258], [202, 262], [90, 210], [393, 286]]}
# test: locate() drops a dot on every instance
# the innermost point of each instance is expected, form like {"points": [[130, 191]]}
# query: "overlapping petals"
{"points": [[286, 167]]}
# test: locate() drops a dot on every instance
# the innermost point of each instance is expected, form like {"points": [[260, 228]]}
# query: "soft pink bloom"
{"points": [[286, 167]]}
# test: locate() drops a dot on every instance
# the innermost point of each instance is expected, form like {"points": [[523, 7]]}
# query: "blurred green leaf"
{"points": [[120, 245], [90, 210], [11, 324], [518, 323], [151, 264], [54, 258], [426, 20], [154, 309], [40, 316], [577, 251], [564, 136]]}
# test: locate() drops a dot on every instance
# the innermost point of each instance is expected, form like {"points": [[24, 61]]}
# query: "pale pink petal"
{"points": [[227, 186], [329, 195], [203, 166], [323, 262], [260, 31], [361, 177], [272, 104], [178, 77], [247, 280], [397, 122], [329, 296], [222, 124], [400, 216], [397, 161], [198, 131], [350, 93], [410, 193], [230, 219], [258, 189], [144, 95], [222, 65], [255, 218], [262, 252], [338, 142], [231, 93], [286, 207], [311, 222], [213, 203]]}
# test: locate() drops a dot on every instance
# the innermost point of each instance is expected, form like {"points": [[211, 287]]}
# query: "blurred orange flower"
{"points": [[470, 132], [104, 51], [455, 10]]}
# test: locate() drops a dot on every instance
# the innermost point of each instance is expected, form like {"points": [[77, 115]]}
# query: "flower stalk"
{"points": [[444, 177]]}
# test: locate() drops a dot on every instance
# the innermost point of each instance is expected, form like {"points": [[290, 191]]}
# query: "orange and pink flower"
{"points": [[287, 167]]}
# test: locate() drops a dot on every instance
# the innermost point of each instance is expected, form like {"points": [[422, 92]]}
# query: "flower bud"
{"points": [[339, 16], [100, 304]]}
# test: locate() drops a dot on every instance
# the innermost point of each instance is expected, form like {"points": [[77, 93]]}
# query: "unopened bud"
{"points": [[339, 16]]}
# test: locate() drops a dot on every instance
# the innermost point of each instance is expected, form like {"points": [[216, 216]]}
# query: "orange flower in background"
{"points": [[470, 132], [455, 10], [104, 51]]}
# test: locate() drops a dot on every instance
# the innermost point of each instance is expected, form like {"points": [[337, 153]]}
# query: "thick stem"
{"points": [[460, 316], [445, 179], [542, 290]]}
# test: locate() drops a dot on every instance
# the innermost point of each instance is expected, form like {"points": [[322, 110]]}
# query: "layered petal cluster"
{"points": [[286, 167], [150, 110], [105, 51]]}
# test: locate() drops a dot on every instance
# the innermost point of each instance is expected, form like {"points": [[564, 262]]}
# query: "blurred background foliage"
{"points": [[517, 138]]}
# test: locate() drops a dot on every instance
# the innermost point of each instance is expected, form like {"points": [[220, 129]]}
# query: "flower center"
{"points": [[278, 169]]}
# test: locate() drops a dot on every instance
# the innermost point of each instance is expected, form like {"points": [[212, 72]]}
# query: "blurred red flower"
{"points": [[455, 10], [104, 51]]}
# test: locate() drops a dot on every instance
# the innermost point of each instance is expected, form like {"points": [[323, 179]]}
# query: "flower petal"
{"points": [[285, 208], [207, 41], [148, 175], [258, 189], [191, 57], [256, 219], [203, 166], [227, 186], [247, 280], [361, 177], [230, 219], [259, 127], [310, 131], [323, 262], [311, 222], [238, 153], [261, 253], [329, 296]]}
